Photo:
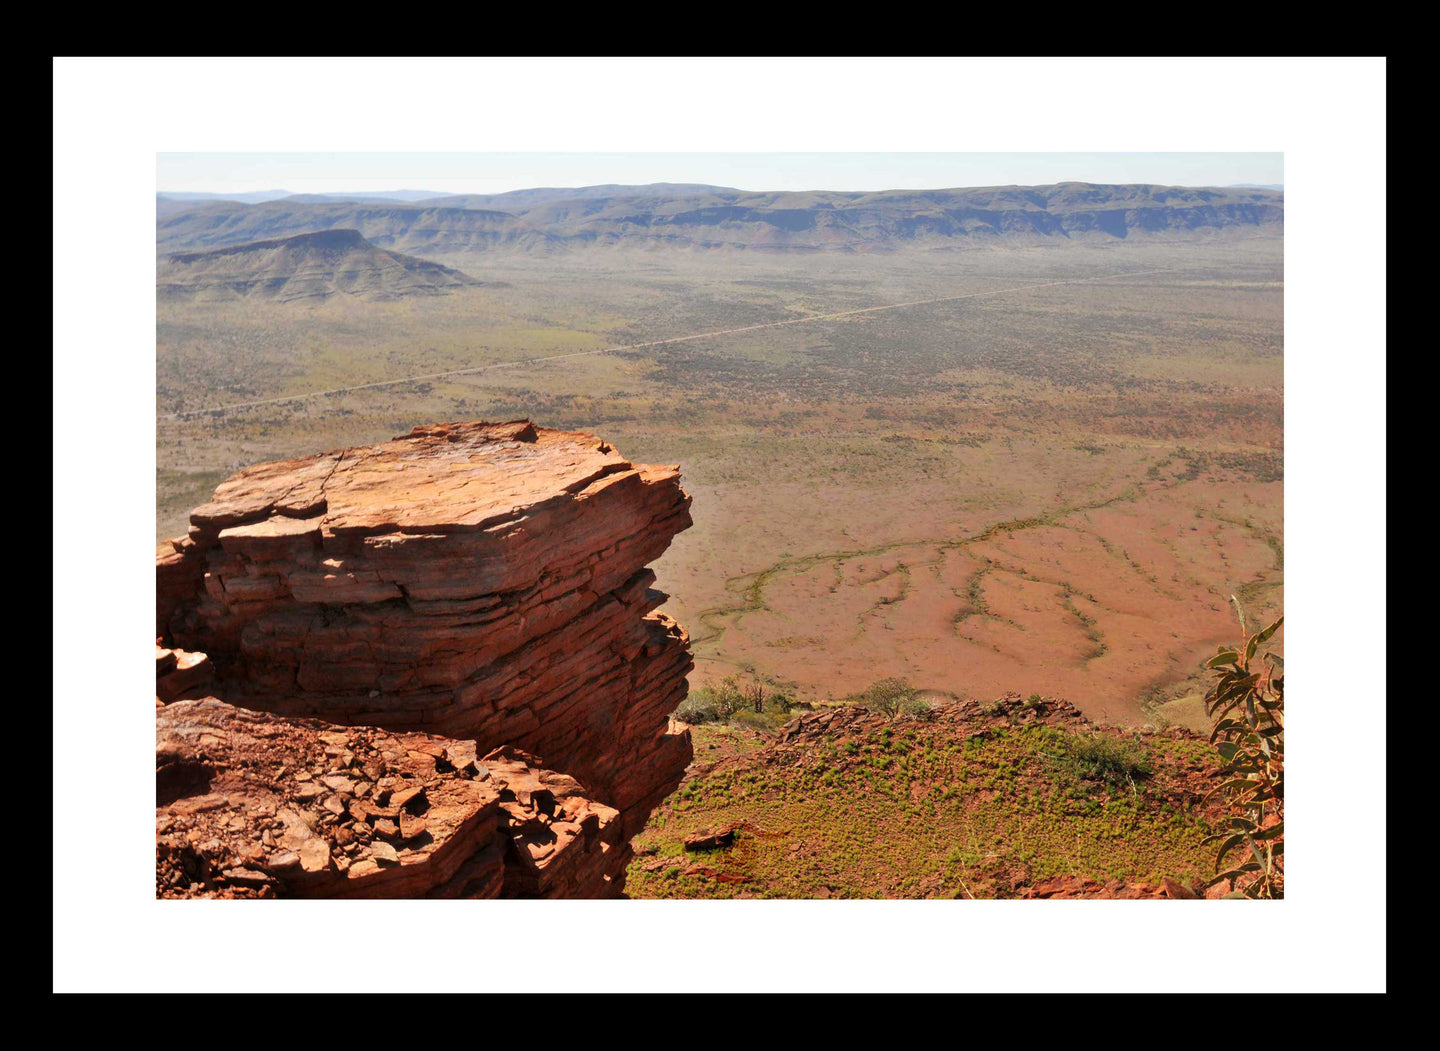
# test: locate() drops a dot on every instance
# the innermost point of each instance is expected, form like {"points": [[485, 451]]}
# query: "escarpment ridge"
{"points": [[482, 583], [706, 218]]}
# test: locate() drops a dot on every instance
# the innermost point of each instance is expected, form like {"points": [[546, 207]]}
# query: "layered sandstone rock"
{"points": [[250, 804], [485, 582], [179, 673]]}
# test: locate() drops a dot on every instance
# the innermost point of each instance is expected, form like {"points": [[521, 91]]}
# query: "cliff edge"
{"points": [[484, 584]]}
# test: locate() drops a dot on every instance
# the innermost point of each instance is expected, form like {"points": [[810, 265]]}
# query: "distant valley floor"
{"points": [[1053, 491]]}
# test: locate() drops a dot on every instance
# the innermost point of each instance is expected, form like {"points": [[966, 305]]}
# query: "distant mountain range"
{"points": [[714, 217], [306, 266], [171, 202]]}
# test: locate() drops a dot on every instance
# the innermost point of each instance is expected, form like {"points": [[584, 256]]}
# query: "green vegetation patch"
{"points": [[924, 809]]}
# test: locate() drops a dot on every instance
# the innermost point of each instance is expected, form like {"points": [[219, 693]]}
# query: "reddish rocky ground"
{"points": [[255, 805]]}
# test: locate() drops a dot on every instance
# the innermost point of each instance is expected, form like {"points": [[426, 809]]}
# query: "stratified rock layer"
{"points": [[486, 582], [180, 674], [250, 804]]}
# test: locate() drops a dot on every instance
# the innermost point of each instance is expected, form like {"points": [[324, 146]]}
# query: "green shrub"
{"points": [[699, 707], [888, 696], [729, 701], [729, 698], [1102, 757], [758, 720], [779, 703], [917, 709], [1247, 703]]}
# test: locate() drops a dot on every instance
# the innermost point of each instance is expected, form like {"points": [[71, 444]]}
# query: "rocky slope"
{"points": [[253, 805], [305, 266], [1010, 798], [484, 582], [713, 217]]}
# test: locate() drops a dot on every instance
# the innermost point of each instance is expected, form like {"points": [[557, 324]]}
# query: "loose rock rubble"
{"points": [[1077, 887], [981, 717], [484, 582], [254, 805]]}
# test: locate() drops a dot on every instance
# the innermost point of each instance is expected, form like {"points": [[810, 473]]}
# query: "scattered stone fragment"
{"points": [[282, 861], [1174, 889], [708, 873], [247, 877], [412, 798], [712, 838], [410, 826], [315, 855]]}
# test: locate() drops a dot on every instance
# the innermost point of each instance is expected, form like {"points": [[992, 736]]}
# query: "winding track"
{"points": [[651, 343]]}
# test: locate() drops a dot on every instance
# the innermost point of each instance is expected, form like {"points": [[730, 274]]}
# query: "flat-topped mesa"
{"points": [[482, 581]]}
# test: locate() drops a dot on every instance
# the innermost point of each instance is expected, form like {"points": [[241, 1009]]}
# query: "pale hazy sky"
{"points": [[499, 172]]}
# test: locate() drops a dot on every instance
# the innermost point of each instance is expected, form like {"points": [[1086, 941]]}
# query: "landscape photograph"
{"points": [[997, 467], [720, 529]]}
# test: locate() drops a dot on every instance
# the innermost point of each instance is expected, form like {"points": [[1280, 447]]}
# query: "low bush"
{"points": [[888, 696], [1102, 757], [919, 710], [759, 720], [779, 703], [730, 700]]}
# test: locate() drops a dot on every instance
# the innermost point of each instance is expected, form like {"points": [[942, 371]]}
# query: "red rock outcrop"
{"points": [[179, 673], [485, 582], [255, 805]]}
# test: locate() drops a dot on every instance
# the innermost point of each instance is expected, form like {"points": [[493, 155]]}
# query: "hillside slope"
{"points": [[1010, 799], [306, 266], [401, 227], [718, 218]]}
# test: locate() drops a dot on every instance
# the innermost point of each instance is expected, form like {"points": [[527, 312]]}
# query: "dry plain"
{"points": [[1049, 489]]}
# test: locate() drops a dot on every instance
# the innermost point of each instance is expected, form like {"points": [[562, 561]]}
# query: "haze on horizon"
{"points": [[488, 173]]}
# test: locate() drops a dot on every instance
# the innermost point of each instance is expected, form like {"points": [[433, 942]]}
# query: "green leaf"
{"points": [[1264, 635], [1239, 870], [1222, 658], [1231, 842], [1259, 638]]}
